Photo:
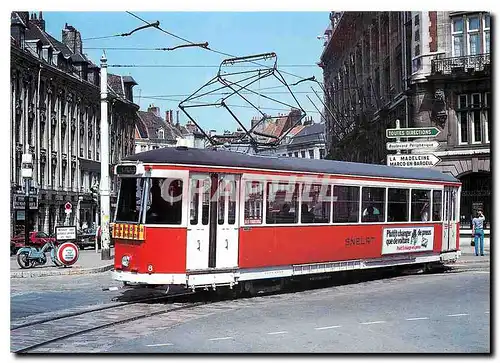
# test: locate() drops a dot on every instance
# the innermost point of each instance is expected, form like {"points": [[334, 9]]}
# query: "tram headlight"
{"points": [[125, 261]]}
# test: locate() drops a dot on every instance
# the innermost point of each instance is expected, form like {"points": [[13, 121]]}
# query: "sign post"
{"points": [[67, 209], [411, 160], [67, 252]]}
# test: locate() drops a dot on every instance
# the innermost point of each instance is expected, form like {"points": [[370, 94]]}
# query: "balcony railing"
{"points": [[449, 65]]}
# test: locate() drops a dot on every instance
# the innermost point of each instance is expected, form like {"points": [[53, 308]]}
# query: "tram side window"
{"points": [[254, 196], [129, 202], [194, 202], [282, 203], [227, 190], [373, 200], [437, 204], [164, 204], [398, 203], [316, 202], [345, 204], [420, 205]]}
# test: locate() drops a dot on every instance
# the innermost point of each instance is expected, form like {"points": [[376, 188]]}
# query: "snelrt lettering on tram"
{"points": [[357, 241], [407, 239]]}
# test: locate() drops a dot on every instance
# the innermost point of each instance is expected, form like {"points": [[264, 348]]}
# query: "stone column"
{"points": [[46, 220]]}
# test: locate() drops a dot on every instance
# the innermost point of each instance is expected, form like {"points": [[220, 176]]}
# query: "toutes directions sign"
{"points": [[413, 132]]}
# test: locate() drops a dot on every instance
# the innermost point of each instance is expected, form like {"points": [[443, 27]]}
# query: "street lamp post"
{"points": [[27, 174], [104, 184]]}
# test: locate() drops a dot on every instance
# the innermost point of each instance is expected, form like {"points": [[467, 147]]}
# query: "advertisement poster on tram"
{"points": [[407, 239]]}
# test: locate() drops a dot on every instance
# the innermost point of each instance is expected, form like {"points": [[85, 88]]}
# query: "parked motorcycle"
{"points": [[28, 257]]}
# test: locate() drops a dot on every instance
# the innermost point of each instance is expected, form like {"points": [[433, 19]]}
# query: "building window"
{"points": [[462, 123], [473, 35], [311, 154], [53, 177], [468, 38], [42, 175], [486, 33], [303, 154], [296, 154], [458, 37], [321, 153], [487, 117], [474, 119]]}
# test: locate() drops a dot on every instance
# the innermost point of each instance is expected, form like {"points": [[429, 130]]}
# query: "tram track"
{"points": [[27, 337], [36, 334]]}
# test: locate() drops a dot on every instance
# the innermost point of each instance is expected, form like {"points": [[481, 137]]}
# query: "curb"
{"points": [[60, 272]]}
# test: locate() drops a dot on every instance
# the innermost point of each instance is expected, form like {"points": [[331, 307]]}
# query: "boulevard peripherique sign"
{"points": [[410, 145]]}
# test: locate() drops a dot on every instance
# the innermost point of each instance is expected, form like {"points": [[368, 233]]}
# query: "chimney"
{"points": [[171, 117], [178, 123], [167, 116], [39, 22], [72, 39], [155, 110]]}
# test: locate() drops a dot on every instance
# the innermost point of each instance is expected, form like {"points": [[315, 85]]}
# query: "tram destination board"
{"points": [[413, 132], [412, 160], [126, 169]]}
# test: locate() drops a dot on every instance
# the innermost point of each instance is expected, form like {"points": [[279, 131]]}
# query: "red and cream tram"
{"points": [[207, 218]]}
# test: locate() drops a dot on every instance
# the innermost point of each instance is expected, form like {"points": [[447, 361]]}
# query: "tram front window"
{"points": [[164, 201], [129, 201]]}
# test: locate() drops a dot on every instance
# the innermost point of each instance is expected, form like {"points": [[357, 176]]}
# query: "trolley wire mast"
{"points": [[239, 84], [200, 218]]}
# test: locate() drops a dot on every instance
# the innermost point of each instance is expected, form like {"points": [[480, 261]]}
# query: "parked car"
{"points": [[36, 239], [86, 238]]}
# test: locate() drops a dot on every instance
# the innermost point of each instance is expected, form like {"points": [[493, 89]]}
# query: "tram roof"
{"points": [[207, 157]]}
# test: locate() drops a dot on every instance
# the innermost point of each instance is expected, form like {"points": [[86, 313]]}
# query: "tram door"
{"points": [[226, 254], [212, 236], [198, 233], [450, 219]]}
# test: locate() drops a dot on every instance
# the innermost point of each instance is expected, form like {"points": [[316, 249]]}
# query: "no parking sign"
{"points": [[67, 253]]}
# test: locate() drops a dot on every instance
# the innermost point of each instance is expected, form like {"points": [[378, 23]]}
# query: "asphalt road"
{"points": [[32, 296], [440, 313]]}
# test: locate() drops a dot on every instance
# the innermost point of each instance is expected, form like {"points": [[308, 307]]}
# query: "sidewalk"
{"points": [[89, 262]]}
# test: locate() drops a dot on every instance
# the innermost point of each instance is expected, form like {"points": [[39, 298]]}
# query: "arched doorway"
{"points": [[476, 194]]}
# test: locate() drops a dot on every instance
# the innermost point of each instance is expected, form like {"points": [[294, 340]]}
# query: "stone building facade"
{"points": [[55, 116], [154, 132], [363, 73], [424, 68]]}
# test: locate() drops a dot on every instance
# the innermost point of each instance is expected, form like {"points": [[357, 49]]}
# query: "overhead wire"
{"points": [[232, 105], [208, 48]]}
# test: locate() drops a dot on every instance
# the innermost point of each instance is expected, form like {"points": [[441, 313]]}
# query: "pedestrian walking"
{"points": [[478, 232]]}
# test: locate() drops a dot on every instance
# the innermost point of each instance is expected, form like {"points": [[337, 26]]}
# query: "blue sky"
{"points": [[291, 35]]}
